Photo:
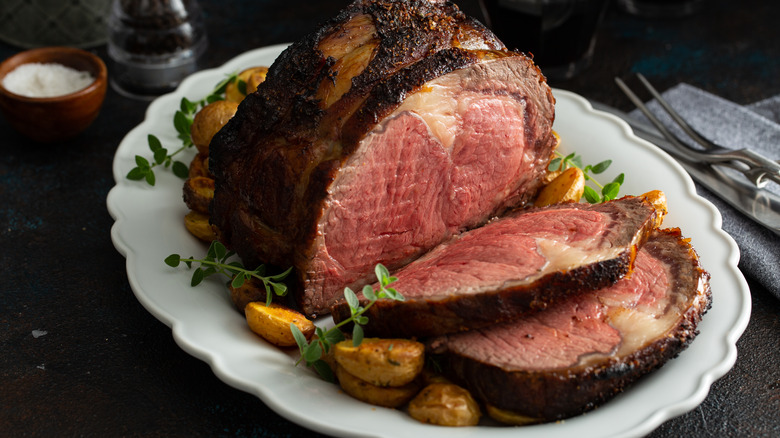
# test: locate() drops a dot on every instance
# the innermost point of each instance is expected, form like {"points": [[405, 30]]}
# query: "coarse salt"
{"points": [[46, 80]]}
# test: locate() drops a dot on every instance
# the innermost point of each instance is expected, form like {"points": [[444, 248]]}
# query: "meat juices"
{"points": [[395, 126]]}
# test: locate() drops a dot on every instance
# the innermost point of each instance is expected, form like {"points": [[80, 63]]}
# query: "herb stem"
{"points": [[216, 262]]}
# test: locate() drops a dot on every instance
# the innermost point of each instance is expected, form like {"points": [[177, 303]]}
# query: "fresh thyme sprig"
{"points": [[311, 352], [608, 191], [217, 262], [182, 122]]}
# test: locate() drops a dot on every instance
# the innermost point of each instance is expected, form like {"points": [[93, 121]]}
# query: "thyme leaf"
{"points": [[323, 341], [217, 261], [182, 122]]}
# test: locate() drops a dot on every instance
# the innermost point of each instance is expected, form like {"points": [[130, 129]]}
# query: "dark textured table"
{"points": [[106, 367]]}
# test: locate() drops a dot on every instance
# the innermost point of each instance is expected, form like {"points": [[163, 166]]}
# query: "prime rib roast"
{"points": [[404, 133], [518, 263], [584, 350], [395, 126]]}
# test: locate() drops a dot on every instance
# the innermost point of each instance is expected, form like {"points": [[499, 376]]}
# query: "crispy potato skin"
{"points": [[566, 187], [198, 193], [208, 121], [382, 362], [198, 225], [445, 404], [387, 396], [273, 323]]}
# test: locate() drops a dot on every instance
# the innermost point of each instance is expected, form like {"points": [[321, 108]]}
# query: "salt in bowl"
{"points": [[52, 119]]}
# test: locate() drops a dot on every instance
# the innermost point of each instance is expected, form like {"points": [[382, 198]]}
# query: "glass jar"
{"points": [[154, 44]]}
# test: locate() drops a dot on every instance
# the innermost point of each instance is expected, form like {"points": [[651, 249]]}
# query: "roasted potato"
{"points": [[198, 225], [251, 78], [382, 362], [199, 166], [198, 193], [273, 323], [658, 199], [251, 290], [387, 396], [445, 404], [566, 187], [208, 121], [509, 417], [255, 79]]}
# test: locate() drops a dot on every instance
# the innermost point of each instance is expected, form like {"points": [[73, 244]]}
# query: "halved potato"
{"points": [[273, 323], [566, 187], [198, 225], [382, 362], [198, 193], [387, 396], [445, 404]]}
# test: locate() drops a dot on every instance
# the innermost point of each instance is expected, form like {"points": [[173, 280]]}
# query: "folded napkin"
{"points": [[756, 127]]}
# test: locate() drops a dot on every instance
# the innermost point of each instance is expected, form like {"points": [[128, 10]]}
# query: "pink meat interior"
{"points": [[504, 251], [408, 191], [582, 328]]}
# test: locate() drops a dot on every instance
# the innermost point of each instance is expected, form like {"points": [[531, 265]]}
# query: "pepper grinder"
{"points": [[154, 45]]}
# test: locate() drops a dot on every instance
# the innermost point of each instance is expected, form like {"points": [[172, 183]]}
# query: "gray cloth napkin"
{"points": [[755, 126]]}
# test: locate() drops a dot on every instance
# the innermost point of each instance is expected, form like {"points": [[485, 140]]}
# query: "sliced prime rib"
{"points": [[518, 263], [583, 351], [393, 127]]}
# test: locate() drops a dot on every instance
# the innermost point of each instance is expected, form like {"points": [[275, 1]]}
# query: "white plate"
{"points": [[149, 227]]}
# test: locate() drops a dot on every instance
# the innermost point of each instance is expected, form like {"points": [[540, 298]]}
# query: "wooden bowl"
{"points": [[52, 119]]}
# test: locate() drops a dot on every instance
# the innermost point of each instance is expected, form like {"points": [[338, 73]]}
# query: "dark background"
{"points": [[106, 367]]}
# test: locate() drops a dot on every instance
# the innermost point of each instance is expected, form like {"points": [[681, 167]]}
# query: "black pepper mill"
{"points": [[154, 44]]}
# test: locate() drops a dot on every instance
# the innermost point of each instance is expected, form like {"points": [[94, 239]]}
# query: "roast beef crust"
{"points": [[557, 394], [274, 161]]}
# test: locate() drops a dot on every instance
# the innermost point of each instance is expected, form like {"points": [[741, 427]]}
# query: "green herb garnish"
{"points": [[311, 353], [182, 122], [608, 192], [217, 262]]}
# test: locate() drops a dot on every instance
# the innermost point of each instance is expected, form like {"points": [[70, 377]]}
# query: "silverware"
{"points": [[757, 168], [760, 205]]}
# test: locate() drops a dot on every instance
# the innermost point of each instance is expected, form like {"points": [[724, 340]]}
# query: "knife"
{"points": [[760, 205]]}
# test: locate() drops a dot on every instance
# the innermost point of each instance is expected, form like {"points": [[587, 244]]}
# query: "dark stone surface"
{"points": [[106, 367]]}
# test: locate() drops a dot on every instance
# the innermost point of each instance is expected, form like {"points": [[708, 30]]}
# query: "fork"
{"points": [[756, 167]]}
